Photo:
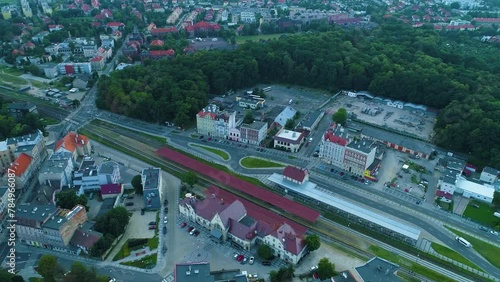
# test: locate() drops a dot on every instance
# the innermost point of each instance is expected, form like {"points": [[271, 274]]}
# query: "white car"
{"points": [[313, 268], [165, 220], [192, 231], [251, 260], [493, 232]]}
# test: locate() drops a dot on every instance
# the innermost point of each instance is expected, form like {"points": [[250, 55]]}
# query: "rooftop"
{"points": [[310, 119], [295, 173], [378, 269], [289, 135], [257, 125], [54, 166], [25, 106], [72, 141], [490, 170], [483, 190], [29, 214], [28, 139], [108, 168], [285, 115], [364, 145], [193, 272], [21, 164], [63, 216], [150, 178], [3, 146]]}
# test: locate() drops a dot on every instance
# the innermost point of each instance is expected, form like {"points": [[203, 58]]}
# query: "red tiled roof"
{"points": [[111, 189], [21, 164], [163, 30], [329, 136], [295, 173], [162, 52], [96, 59], [487, 20], [241, 185], [440, 193], [71, 141], [157, 42], [115, 24], [202, 114]]}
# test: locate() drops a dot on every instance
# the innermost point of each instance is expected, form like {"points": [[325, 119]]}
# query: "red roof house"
{"points": [[111, 190], [157, 42], [21, 164], [296, 174], [74, 143]]}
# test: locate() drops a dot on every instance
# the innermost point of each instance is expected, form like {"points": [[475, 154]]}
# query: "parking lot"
{"points": [[417, 123]]}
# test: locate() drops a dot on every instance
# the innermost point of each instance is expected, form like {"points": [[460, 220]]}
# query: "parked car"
{"points": [[245, 260], [165, 220], [164, 230], [183, 225], [196, 233], [190, 229], [484, 228], [142, 211], [240, 258], [165, 202], [165, 209], [201, 137], [236, 255], [130, 197], [266, 262], [152, 223], [250, 261], [152, 227], [493, 232], [313, 268], [129, 204]]}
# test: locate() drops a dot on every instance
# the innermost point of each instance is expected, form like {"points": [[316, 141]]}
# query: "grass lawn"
{"points": [[483, 214], [33, 279], [122, 253], [243, 39], [153, 243], [5, 69], [488, 251], [292, 157], [433, 275], [194, 136], [12, 79], [447, 252], [250, 162], [147, 262], [218, 152]]}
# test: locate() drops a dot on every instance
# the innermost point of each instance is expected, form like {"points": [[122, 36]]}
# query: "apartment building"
{"points": [[332, 146], [77, 144], [289, 140], [211, 121], [358, 156], [152, 184], [253, 133], [57, 170]]}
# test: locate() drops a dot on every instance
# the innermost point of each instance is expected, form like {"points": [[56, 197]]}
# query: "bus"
{"points": [[266, 89], [463, 241]]}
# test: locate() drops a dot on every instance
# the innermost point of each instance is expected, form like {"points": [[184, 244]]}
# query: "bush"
{"points": [[136, 242]]}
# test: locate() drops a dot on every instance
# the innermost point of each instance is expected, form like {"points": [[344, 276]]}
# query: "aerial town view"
{"points": [[248, 140]]}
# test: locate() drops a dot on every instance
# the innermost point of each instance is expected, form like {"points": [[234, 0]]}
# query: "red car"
{"points": [[152, 227], [190, 228], [183, 225], [240, 257]]}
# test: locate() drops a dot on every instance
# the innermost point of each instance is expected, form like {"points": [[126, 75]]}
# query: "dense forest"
{"points": [[10, 127], [451, 72]]}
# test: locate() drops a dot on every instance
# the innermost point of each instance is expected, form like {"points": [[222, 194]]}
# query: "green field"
{"points": [[147, 262], [447, 252], [417, 268], [250, 162], [218, 152], [483, 214], [488, 251], [243, 39]]}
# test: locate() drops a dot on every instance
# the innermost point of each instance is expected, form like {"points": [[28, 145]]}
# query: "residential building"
{"points": [[46, 8], [162, 32], [50, 70], [97, 63], [30, 144], [6, 12], [85, 236], [489, 175], [251, 103], [48, 226], [358, 156], [296, 175], [253, 133], [284, 116], [247, 17], [289, 140], [332, 147], [109, 173], [157, 54], [110, 191], [57, 169], [25, 7], [152, 184], [55, 27], [74, 68], [6, 156], [76, 144], [20, 109], [4, 202], [39, 37], [243, 223], [212, 121]]}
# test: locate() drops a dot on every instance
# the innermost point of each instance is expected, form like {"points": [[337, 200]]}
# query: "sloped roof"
{"points": [[72, 141], [295, 173], [289, 239], [21, 164], [111, 189], [157, 42], [235, 211], [85, 238]]}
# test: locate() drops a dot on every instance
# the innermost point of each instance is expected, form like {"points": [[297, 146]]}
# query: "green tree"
{"points": [[496, 200], [313, 242], [290, 124], [284, 274], [76, 103], [68, 199], [265, 252], [80, 273], [248, 119], [326, 269], [190, 178], [340, 116], [455, 5], [113, 222], [6, 276], [49, 268], [137, 184]]}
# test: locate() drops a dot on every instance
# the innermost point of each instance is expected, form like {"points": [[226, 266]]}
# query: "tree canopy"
{"points": [[137, 184], [340, 116], [10, 127], [49, 268], [6, 276], [265, 252], [190, 178], [393, 60], [313, 242], [284, 274], [80, 273], [326, 269], [68, 199]]}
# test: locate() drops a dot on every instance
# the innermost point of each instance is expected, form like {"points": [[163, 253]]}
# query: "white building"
{"points": [[288, 140], [152, 184], [58, 168], [474, 190], [489, 175], [332, 147], [247, 17]]}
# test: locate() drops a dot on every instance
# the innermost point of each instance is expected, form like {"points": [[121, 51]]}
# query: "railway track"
{"points": [[133, 143]]}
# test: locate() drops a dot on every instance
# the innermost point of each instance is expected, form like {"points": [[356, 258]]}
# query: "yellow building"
{"points": [[25, 6], [6, 12]]}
